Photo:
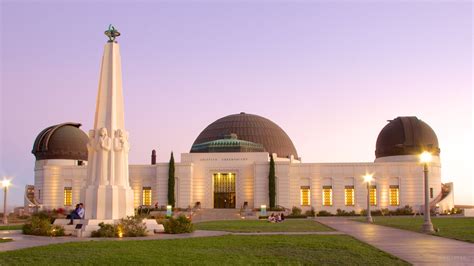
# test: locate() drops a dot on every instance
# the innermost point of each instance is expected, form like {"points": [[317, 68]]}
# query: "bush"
{"points": [[292, 216], [407, 210], [263, 217], [324, 213], [40, 225], [340, 212], [178, 225], [295, 211], [311, 213], [131, 226], [105, 230]]}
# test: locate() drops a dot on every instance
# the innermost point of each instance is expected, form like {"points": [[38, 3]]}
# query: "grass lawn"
{"points": [[270, 249], [11, 227], [289, 225], [460, 228]]}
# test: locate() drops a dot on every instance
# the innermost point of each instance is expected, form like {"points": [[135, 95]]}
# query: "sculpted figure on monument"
{"points": [[121, 148], [91, 149], [103, 148]]}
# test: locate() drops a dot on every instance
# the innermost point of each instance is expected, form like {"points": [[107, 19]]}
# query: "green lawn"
{"points": [[11, 227], [242, 250], [288, 225], [461, 228]]}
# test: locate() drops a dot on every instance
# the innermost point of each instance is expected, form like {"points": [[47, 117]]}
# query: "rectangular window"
{"points": [[327, 195], [305, 196], [373, 195], [431, 192], [394, 195], [67, 196], [349, 195], [147, 196]]}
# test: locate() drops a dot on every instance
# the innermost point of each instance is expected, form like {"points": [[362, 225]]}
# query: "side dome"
{"points": [[252, 128], [62, 141], [406, 135]]}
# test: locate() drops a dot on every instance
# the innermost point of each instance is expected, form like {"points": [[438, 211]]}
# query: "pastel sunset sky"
{"points": [[329, 73]]}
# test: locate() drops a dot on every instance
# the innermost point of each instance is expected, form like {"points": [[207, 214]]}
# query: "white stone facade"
{"points": [[194, 181]]}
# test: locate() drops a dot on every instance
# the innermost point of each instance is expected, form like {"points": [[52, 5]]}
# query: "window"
{"points": [[393, 195], [39, 193], [305, 196], [431, 192], [67, 196], [327, 195], [373, 195], [146, 196], [349, 195]]}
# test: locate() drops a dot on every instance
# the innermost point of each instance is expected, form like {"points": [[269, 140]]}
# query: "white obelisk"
{"points": [[108, 195]]}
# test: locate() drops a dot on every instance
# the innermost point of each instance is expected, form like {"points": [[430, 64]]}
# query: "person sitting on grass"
{"points": [[278, 218], [282, 217], [272, 218]]}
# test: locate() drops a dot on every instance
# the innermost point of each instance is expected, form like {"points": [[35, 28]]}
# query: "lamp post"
{"points": [[427, 227], [368, 178], [5, 183]]}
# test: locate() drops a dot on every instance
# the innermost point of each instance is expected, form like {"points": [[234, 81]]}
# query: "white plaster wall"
{"points": [[194, 181]]}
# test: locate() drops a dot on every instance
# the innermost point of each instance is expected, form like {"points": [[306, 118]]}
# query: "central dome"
{"points": [[251, 128]]}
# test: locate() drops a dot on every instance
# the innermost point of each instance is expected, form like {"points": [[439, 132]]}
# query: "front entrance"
{"points": [[224, 190]]}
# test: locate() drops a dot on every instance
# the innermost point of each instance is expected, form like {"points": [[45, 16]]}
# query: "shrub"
{"points": [[407, 210], [178, 225], [295, 211], [311, 213], [40, 225], [131, 226], [340, 212], [105, 230], [292, 216], [324, 213], [263, 217]]}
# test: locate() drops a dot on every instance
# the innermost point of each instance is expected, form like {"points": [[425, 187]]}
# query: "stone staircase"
{"points": [[216, 214]]}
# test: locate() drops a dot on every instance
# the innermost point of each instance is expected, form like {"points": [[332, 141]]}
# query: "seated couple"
{"points": [[276, 218], [77, 213]]}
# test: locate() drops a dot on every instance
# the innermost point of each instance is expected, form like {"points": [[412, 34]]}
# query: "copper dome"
{"points": [[252, 128], [406, 135], [62, 141]]}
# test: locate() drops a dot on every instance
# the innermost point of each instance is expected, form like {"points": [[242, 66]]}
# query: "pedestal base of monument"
{"points": [[84, 228], [106, 202]]}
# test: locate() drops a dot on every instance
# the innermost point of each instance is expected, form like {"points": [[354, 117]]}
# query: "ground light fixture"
{"points": [[368, 179], [425, 159]]}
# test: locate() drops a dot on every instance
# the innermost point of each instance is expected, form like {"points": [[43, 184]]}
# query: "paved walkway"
{"points": [[416, 248]]}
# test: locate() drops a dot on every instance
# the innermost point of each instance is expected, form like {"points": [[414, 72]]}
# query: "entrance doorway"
{"points": [[224, 190]]}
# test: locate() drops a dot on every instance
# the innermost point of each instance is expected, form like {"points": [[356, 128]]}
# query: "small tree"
{"points": [[271, 182], [171, 199]]}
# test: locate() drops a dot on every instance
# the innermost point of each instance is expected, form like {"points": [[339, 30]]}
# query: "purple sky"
{"points": [[329, 73]]}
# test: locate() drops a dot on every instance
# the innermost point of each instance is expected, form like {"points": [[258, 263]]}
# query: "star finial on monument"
{"points": [[112, 33]]}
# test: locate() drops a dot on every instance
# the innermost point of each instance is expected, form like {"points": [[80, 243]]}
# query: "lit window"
{"points": [[327, 195], [373, 195], [305, 196], [147, 196], [68, 196], [349, 195], [393, 194]]}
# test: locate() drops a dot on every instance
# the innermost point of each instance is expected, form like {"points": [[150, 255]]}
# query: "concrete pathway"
{"points": [[416, 248], [21, 241]]}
